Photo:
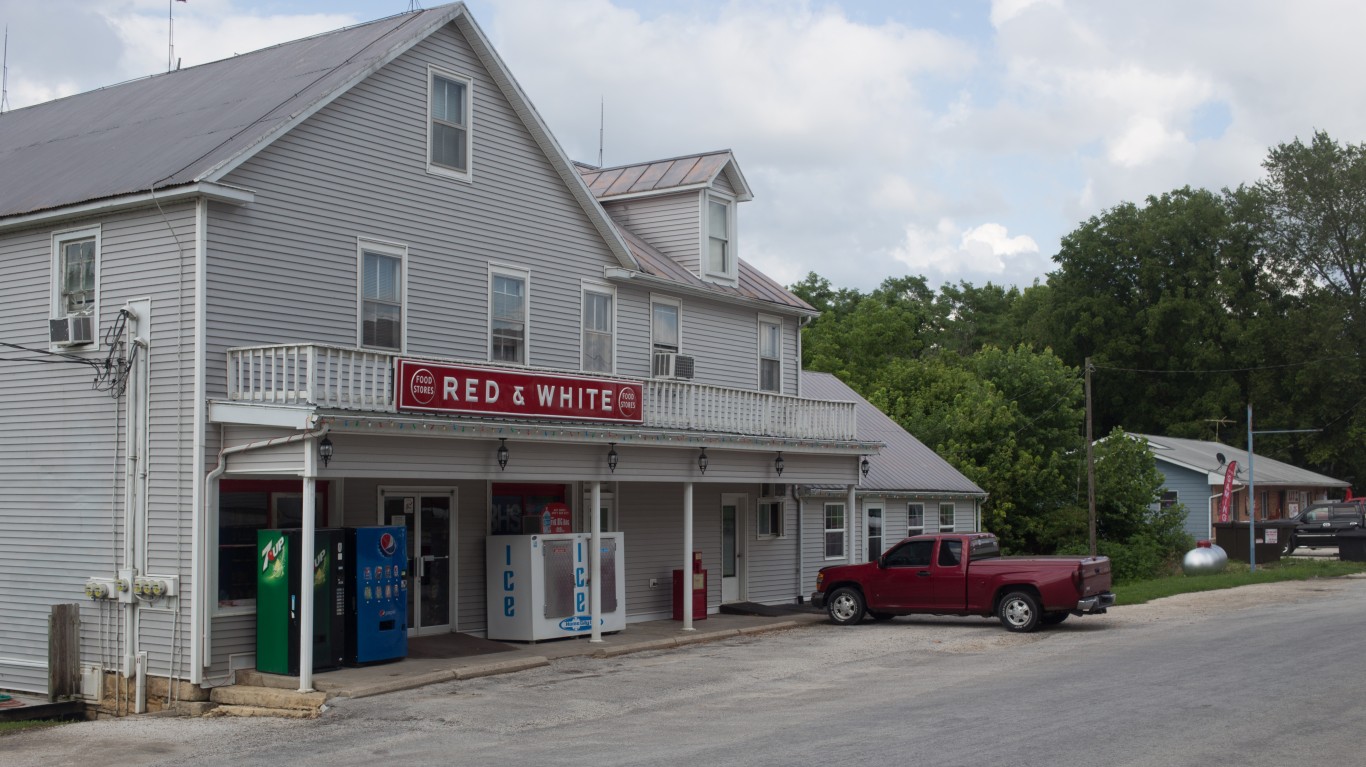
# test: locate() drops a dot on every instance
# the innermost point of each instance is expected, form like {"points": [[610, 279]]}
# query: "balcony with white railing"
{"points": [[340, 378]]}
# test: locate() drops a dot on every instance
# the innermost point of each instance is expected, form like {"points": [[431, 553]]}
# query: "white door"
{"points": [[732, 548], [430, 521]]}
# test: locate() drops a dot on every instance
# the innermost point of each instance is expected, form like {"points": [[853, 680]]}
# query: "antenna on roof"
{"points": [[1221, 421], [602, 114], [170, 34], [4, 75], [414, 5]]}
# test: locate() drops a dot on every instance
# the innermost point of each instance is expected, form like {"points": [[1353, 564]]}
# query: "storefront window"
{"points": [[512, 503], [245, 506]]}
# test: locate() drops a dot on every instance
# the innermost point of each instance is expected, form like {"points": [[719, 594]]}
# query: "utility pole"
{"points": [[1090, 463]]}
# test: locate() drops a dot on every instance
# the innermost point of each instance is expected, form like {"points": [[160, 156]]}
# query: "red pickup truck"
{"points": [[965, 574]]}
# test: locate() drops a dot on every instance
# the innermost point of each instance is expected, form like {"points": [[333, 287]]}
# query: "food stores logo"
{"points": [[423, 386], [627, 403]]}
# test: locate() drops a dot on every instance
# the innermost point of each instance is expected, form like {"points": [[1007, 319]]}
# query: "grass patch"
{"points": [[11, 727], [1236, 574]]}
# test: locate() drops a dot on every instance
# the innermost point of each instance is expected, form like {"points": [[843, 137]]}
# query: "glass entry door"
{"points": [[873, 515], [732, 548], [429, 519]]}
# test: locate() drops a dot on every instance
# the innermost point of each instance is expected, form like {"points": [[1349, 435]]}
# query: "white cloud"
{"points": [[1003, 11], [944, 250], [867, 142]]}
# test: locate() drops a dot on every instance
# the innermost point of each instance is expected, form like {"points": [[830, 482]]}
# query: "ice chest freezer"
{"points": [[538, 586]]}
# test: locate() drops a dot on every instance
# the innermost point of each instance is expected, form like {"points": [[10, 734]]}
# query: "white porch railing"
{"points": [[336, 377]]}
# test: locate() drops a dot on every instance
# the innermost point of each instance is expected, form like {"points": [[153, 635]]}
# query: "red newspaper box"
{"points": [[699, 590]]}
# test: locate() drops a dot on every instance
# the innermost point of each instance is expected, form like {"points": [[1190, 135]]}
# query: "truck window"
{"points": [[984, 548], [910, 554], [950, 553]]}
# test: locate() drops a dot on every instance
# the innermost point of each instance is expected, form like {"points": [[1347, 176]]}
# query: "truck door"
{"points": [[949, 575], [903, 581]]}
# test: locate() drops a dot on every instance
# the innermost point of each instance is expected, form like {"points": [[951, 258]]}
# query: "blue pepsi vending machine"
{"points": [[377, 594]]}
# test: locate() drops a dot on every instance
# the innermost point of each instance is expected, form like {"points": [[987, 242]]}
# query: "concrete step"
{"points": [[267, 698], [254, 678], [280, 713]]}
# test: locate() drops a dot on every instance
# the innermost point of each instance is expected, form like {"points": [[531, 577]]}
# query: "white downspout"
{"points": [[135, 486], [198, 606]]}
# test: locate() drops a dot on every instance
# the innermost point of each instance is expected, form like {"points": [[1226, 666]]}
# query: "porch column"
{"points": [[595, 564], [687, 556], [305, 555], [852, 524]]}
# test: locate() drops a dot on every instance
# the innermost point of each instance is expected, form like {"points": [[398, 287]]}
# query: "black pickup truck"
{"points": [[1319, 524]]}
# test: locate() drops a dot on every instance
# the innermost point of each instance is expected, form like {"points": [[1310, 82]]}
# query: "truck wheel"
{"points": [[1288, 548], [1053, 619], [846, 606], [1019, 611]]}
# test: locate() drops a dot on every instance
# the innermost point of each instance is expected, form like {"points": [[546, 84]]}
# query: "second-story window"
{"points": [[720, 258], [448, 130], [381, 297], [664, 324], [508, 316], [598, 329], [76, 275], [770, 354]]}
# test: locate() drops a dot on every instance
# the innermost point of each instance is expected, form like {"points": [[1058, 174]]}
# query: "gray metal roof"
{"points": [[176, 128], [198, 124], [752, 284], [905, 465], [662, 176], [1201, 456]]}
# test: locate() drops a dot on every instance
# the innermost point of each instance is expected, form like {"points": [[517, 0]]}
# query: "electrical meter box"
{"points": [[278, 585], [538, 586]]}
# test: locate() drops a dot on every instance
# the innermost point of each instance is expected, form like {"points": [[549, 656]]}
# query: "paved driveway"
{"points": [[1199, 679]]}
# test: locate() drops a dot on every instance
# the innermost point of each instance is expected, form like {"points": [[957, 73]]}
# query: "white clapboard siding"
{"points": [[62, 444]]}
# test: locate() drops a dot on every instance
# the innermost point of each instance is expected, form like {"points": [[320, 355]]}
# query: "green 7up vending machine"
{"points": [[277, 600]]}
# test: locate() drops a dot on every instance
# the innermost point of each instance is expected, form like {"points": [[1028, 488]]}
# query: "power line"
{"points": [[1223, 371]]}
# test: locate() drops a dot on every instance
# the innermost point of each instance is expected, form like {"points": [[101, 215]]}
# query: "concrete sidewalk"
{"points": [[637, 637]]}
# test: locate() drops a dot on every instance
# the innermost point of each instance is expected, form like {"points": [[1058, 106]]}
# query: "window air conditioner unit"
{"points": [[72, 330], [672, 365]]}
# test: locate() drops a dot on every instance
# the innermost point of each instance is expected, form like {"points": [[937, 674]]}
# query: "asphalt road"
{"points": [[1262, 675]]}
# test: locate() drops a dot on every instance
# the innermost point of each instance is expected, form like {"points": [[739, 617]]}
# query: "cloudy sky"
{"points": [[956, 140]]}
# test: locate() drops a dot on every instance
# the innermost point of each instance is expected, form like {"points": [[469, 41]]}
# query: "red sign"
{"points": [[439, 388], [1228, 490], [555, 519]]}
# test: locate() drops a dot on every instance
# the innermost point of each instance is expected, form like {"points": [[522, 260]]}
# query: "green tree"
{"points": [[1151, 288], [1142, 539], [1009, 420], [1311, 208], [857, 335]]}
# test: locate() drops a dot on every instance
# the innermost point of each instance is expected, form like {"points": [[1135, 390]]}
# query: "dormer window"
{"points": [[448, 130], [720, 254]]}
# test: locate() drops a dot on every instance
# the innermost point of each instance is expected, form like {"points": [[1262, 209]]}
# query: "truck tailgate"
{"points": [[1094, 576]]}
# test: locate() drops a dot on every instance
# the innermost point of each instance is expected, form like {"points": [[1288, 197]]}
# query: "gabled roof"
{"points": [[676, 174], [178, 127], [752, 284], [905, 465], [1203, 457], [198, 124]]}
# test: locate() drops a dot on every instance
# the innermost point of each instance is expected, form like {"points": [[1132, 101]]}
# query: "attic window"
{"points": [[720, 253], [448, 132]]}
